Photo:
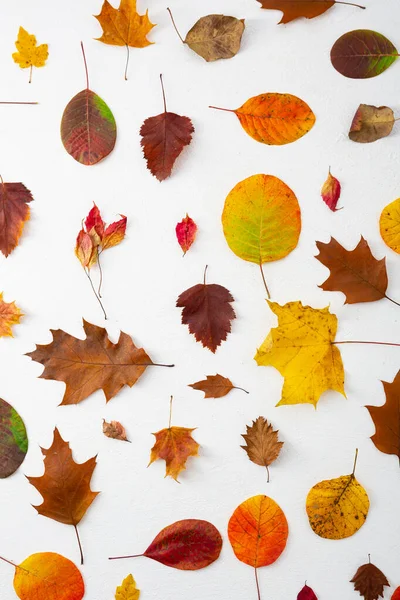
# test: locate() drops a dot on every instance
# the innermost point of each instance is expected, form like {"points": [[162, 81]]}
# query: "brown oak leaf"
{"points": [[262, 445], [91, 364], [65, 485], [215, 386], [356, 273], [370, 581], [386, 419], [14, 212], [163, 139], [208, 313], [115, 430]]}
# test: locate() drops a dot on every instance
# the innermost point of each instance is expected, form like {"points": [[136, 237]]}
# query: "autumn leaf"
{"points": [[47, 576], [124, 26], [371, 123], [330, 192], [215, 386], [274, 119], [189, 545], [389, 225], [10, 315], [13, 440], [114, 430], [262, 445], [65, 485], [396, 594], [261, 220], [337, 508], [214, 36], [306, 593], [91, 364], [163, 139], [370, 582], [127, 590], [293, 9], [29, 53], [362, 53], [386, 419], [174, 445], [14, 212], [186, 233], [85, 250], [302, 349], [88, 128], [208, 312], [356, 273]]}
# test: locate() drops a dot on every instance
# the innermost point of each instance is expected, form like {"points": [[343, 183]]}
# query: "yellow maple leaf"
{"points": [[29, 53], [10, 315], [127, 590], [302, 349]]}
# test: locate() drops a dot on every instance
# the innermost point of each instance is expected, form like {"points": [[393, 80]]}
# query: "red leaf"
{"points": [[189, 545], [85, 249], [331, 192], [306, 594], [94, 221], [14, 211], [396, 594], [114, 233], [186, 233]]}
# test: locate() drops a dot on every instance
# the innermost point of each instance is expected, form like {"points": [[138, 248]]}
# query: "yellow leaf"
{"points": [[127, 590], [10, 315], [124, 26], [302, 350], [29, 53], [390, 225], [337, 508]]}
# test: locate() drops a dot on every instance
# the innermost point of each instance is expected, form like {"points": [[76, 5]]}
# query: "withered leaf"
{"points": [[293, 9], [215, 386], [371, 123], [114, 430], [262, 445], [208, 313], [14, 212], [370, 582], [356, 273], [386, 419], [91, 364]]}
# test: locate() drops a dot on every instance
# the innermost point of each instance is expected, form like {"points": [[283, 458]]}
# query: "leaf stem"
{"points": [[348, 4], [364, 342], [235, 387], [225, 109], [257, 584], [355, 462], [79, 542], [127, 62], [95, 293], [86, 68], [170, 412], [30, 74], [265, 283], [266, 466], [19, 102], [8, 561], [391, 300], [119, 557], [176, 29], [154, 365], [163, 93], [204, 276], [101, 274]]}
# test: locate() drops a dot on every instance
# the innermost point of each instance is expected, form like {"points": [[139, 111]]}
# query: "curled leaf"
{"points": [[114, 430], [371, 123], [330, 192], [186, 233]]}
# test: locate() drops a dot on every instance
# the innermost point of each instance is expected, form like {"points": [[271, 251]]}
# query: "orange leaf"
{"points": [[258, 531], [215, 386], [123, 26], [174, 445], [10, 315], [14, 212]]}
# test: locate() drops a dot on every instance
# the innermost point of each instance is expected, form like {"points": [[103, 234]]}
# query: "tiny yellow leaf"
{"points": [[127, 590], [29, 53]]}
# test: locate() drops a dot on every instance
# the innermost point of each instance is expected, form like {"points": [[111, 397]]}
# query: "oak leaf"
{"points": [[306, 593], [330, 192], [91, 364], [29, 53], [163, 139], [215, 386], [65, 485], [356, 273], [370, 582], [114, 430], [208, 313], [262, 445], [362, 53], [293, 9], [186, 233], [14, 212], [389, 225], [127, 590], [371, 123], [302, 349], [13, 440], [10, 315], [386, 419]]}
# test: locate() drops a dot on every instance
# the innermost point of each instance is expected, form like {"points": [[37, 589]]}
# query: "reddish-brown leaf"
{"points": [[306, 594], [293, 9], [262, 444], [386, 419], [370, 582], [215, 386], [14, 212], [186, 233], [114, 430], [208, 312], [356, 273]]}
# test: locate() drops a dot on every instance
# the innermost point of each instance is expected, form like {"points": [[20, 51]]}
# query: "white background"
{"points": [[146, 273]]}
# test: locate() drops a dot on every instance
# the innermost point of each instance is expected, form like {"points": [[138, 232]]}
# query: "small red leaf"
{"points": [[186, 232], [396, 594], [95, 222], [306, 594], [330, 192], [85, 249], [114, 233]]}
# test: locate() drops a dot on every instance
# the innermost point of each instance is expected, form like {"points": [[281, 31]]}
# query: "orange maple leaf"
{"points": [[10, 315]]}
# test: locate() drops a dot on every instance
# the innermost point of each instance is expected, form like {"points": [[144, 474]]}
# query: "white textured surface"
{"points": [[144, 276]]}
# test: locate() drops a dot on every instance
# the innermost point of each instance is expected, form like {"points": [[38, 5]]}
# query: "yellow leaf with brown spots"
{"points": [[10, 315]]}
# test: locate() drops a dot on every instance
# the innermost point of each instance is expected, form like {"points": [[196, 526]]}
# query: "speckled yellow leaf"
{"points": [[261, 219], [337, 508], [389, 225], [10, 315], [29, 53], [302, 350], [127, 590]]}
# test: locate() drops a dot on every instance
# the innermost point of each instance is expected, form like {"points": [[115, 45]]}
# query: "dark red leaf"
{"points": [[306, 594]]}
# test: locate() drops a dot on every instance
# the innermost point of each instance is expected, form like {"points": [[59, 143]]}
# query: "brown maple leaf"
{"points": [[10, 315], [293, 9], [115, 430], [163, 139], [208, 312], [14, 212], [91, 364], [386, 419], [65, 485], [370, 581], [215, 386], [262, 445], [356, 273]]}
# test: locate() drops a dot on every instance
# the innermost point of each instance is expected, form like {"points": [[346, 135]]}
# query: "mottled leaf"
{"points": [[371, 123], [13, 440], [362, 53], [14, 212]]}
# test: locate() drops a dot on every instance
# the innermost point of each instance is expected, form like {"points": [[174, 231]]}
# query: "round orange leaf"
{"points": [[258, 531]]}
